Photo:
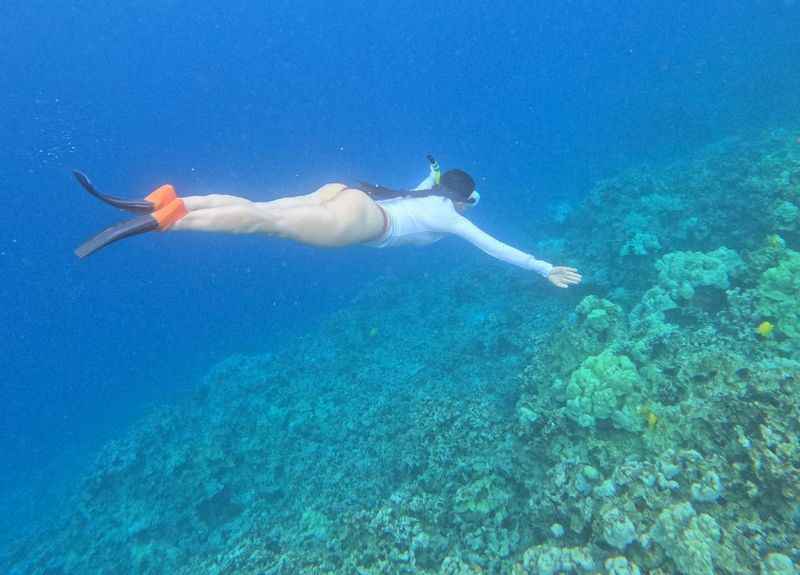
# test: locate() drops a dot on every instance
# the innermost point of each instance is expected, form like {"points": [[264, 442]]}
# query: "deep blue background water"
{"points": [[536, 99]]}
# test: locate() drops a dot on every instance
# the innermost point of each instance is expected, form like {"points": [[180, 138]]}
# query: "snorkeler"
{"points": [[335, 215]]}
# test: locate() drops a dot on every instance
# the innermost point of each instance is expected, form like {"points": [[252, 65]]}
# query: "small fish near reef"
{"points": [[775, 241], [650, 418], [765, 328]]}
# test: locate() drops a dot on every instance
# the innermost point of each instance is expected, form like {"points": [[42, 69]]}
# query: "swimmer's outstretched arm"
{"points": [[560, 276]]}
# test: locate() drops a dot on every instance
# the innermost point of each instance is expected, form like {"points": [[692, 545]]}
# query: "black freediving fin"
{"points": [[137, 225], [136, 206]]}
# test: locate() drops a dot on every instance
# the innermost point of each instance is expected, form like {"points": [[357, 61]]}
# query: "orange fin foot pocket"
{"points": [[169, 214], [161, 196]]}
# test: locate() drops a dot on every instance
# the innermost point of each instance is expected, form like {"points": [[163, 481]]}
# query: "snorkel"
{"points": [[436, 171], [471, 200]]}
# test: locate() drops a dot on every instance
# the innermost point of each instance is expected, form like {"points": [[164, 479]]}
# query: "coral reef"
{"points": [[779, 293], [605, 386]]}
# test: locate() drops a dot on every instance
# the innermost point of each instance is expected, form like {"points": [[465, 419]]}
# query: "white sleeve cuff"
{"points": [[540, 266]]}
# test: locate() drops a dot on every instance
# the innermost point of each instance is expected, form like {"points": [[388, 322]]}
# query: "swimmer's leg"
{"points": [[315, 198], [161, 209], [348, 217], [331, 216]]}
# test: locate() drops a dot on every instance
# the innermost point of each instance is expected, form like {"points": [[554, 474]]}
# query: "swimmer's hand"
{"points": [[564, 277]]}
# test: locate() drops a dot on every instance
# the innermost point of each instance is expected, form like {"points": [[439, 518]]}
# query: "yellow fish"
{"points": [[765, 328], [775, 241]]}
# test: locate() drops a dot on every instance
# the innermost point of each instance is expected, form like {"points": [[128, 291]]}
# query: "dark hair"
{"points": [[459, 182]]}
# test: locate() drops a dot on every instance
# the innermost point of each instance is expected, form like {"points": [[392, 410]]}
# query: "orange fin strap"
{"points": [[161, 196], [169, 214]]}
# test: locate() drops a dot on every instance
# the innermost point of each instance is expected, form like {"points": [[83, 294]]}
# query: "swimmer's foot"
{"points": [[156, 200], [161, 219]]}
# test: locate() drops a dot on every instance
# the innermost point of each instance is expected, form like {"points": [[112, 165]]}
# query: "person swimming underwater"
{"points": [[335, 215]]}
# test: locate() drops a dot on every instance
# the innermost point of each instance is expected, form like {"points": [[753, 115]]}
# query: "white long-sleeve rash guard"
{"points": [[422, 221]]}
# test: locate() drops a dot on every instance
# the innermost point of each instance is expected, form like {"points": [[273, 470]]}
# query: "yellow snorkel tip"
{"points": [[435, 170]]}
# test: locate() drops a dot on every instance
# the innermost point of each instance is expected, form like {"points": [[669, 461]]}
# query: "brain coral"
{"points": [[680, 273], [605, 387]]}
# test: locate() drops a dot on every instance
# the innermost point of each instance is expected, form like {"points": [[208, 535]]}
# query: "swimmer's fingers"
{"points": [[561, 276]]}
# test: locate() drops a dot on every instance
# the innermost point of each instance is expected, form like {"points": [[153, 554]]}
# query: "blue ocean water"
{"points": [[537, 100]]}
